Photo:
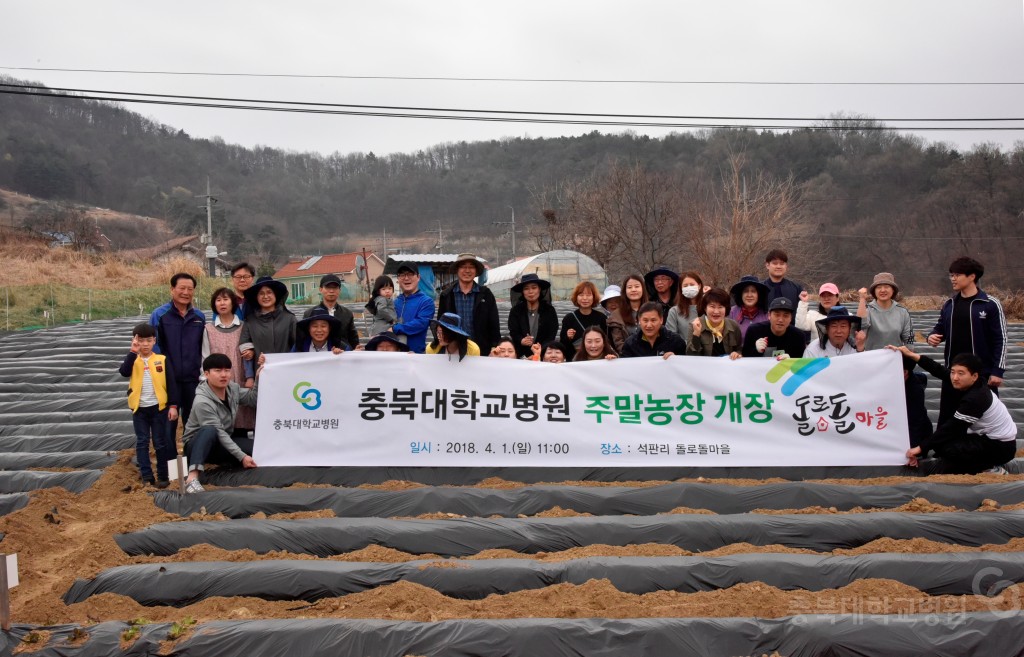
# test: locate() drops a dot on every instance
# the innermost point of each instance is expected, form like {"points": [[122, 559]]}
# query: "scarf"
{"points": [[749, 312], [715, 330]]}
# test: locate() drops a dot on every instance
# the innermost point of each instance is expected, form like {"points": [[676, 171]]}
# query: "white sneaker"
{"points": [[996, 470], [194, 487]]}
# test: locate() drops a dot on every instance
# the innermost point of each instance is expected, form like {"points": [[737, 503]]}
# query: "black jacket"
{"points": [[792, 341], [486, 325], [666, 341], [519, 326]]}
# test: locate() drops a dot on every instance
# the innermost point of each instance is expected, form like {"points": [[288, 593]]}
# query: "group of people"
{"points": [[204, 374]]}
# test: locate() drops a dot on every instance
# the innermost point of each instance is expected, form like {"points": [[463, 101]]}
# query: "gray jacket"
{"points": [[893, 326], [268, 333], [209, 411], [384, 316]]}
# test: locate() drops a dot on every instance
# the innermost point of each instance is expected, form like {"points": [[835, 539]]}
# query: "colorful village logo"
{"points": [[310, 397], [800, 369]]}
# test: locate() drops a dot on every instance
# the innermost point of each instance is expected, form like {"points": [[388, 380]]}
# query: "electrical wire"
{"points": [[511, 119], [513, 79], [493, 111]]}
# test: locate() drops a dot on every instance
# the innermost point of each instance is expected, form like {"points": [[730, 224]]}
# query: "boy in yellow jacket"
{"points": [[152, 401]]}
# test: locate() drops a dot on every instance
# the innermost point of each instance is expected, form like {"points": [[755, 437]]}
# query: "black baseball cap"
{"points": [[330, 279], [781, 303]]}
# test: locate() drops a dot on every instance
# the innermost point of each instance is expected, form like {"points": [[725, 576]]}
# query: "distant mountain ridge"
{"points": [[859, 180]]}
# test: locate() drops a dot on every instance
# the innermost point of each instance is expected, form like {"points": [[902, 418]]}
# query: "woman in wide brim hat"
{"points": [[449, 338], [526, 279], [387, 338], [279, 289], [751, 307], [533, 319], [269, 326], [304, 340], [654, 294], [612, 293]]}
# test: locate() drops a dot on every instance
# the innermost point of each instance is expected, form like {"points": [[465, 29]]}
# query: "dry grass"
{"points": [[43, 286], [1012, 300], [28, 261]]}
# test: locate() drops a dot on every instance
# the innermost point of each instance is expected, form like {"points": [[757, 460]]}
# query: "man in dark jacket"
{"points": [[970, 322], [653, 339], [777, 264], [179, 336], [473, 302], [777, 336], [330, 290]]}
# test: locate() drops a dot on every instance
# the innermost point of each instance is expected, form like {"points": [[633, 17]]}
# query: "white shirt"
{"points": [[815, 350]]}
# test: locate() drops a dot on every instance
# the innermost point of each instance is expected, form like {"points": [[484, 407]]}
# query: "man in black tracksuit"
{"points": [[979, 434]]}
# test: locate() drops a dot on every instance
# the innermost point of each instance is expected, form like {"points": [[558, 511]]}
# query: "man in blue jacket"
{"points": [[970, 322], [413, 308], [179, 336]]}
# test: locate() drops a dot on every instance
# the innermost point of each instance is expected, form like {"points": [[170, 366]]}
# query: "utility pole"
{"points": [[512, 229], [366, 275], [440, 237], [211, 250]]}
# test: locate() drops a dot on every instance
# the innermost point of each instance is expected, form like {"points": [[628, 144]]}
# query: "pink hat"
{"points": [[829, 287]]}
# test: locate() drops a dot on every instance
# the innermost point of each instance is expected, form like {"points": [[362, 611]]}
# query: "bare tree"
{"points": [[628, 219], [734, 223], [67, 221]]}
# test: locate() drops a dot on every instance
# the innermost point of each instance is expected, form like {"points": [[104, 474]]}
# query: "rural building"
{"points": [[562, 268], [302, 275]]}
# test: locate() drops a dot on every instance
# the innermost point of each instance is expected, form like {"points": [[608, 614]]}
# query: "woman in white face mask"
{"points": [[689, 307]]}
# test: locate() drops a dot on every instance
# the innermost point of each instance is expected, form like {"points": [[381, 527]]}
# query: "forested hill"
{"points": [[890, 189]]}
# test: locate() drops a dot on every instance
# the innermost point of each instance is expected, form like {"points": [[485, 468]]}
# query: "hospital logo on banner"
{"points": [[309, 398]]}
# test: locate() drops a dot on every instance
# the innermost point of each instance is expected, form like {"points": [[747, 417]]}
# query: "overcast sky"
{"points": [[796, 41]]}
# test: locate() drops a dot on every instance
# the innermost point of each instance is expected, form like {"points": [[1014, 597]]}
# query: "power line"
{"points": [[513, 79], [495, 111], [512, 119]]}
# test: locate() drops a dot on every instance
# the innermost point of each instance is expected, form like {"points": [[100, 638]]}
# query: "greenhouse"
{"points": [[562, 268]]}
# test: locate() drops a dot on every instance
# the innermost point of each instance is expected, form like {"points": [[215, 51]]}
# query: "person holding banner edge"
{"points": [[979, 435]]}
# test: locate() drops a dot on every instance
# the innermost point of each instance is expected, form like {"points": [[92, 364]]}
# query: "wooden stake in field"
{"points": [[8, 580]]}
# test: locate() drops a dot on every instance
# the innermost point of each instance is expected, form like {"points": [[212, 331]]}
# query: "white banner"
{"points": [[393, 409]]}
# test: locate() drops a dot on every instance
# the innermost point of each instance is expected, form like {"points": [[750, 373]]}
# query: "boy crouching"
{"points": [[207, 437]]}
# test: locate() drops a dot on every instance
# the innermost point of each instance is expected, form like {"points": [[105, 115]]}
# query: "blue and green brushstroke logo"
{"points": [[802, 369]]}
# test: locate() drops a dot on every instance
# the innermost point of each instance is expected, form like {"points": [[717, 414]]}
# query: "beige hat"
{"points": [[467, 257], [885, 278]]}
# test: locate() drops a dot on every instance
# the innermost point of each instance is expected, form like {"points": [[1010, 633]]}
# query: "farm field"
{"points": [[516, 561]]}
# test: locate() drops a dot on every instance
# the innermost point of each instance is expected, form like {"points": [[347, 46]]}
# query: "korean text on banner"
{"points": [[393, 409]]}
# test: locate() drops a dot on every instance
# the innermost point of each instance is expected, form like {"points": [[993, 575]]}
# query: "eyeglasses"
{"points": [[242, 277], [406, 274]]}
